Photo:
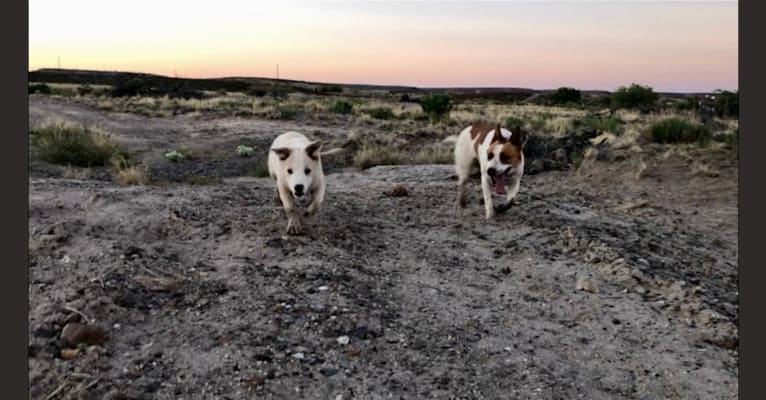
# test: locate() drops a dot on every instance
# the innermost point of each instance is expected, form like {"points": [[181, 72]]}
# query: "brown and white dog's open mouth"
{"points": [[498, 183]]}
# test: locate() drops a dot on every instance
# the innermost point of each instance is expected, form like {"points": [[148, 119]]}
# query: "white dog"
{"points": [[295, 164], [500, 156]]}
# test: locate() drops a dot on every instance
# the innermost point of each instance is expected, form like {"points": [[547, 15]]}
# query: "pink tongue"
{"points": [[500, 184]]}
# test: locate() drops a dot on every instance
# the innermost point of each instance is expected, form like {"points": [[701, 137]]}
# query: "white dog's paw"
{"points": [[295, 226]]}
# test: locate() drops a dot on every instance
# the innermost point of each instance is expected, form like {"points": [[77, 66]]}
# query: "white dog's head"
{"points": [[298, 167]]}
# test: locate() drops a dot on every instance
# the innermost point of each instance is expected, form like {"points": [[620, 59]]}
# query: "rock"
{"points": [[538, 165], [397, 191], [586, 284], [299, 356], [560, 155], [158, 284], [343, 340], [327, 371], [69, 354], [76, 333]]}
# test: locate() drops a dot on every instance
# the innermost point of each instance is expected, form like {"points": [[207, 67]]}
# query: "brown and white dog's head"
{"points": [[298, 166], [505, 156]]}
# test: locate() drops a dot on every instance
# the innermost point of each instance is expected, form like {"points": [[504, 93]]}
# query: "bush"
{"points": [[288, 111], [68, 143], [635, 96], [436, 106], [244, 151], [380, 113], [127, 173], [130, 87], [727, 104], [177, 155], [39, 88], [678, 130], [341, 107], [564, 95]]}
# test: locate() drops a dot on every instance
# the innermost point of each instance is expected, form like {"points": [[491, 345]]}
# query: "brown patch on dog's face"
{"points": [[479, 132], [313, 150], [510, 154], [283, 153]]}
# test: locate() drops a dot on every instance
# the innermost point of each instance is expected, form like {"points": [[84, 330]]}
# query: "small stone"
{"points": [[299, 356], [343, 340], [69, 354], [323, 288], [586, 284], [76, 333]]}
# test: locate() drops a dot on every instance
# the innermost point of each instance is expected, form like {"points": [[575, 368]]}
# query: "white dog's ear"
{"points": [[313, 149], [282, 152]]}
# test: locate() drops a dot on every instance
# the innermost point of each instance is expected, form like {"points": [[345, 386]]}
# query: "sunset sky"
{"points": [[669, 45]]}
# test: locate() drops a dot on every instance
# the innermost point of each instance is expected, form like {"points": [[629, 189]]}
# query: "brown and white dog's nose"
{"points": [[299, 190], [491, 172]]}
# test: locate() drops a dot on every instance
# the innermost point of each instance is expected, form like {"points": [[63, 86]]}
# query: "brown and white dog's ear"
{"points": [[518, 137], [282, 152], [313, 149]]}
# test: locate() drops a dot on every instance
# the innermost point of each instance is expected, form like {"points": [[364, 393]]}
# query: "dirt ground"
{"points": [[203, 296]]}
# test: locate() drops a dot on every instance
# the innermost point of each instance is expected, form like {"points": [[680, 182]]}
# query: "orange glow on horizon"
{"points": [[668, 45]]}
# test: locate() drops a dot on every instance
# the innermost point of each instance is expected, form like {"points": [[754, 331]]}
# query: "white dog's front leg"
{"points": [[294, 220], [486, 190], [514, 190], [316, 202]]}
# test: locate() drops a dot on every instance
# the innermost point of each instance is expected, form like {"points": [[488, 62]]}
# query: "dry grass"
{"points": [[371, 155], [70, 143], [434, 155], [77, 173], [127, 173]]}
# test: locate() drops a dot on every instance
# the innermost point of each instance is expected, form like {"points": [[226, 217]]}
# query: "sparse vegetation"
{"points": [[68, 143], [634, 96], [678, 130], [436, 106], [513, 122], [174, 156], [435, 155], [609, 124]]}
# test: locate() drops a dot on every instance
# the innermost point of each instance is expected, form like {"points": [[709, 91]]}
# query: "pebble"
{"points": [[323, 288], [343, 340], [298, 356], [585, 284]]}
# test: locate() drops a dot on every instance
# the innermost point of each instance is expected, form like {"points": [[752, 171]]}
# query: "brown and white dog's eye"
{"points": [[307, 171], [504, 158], [490, 155], [290, 171]]}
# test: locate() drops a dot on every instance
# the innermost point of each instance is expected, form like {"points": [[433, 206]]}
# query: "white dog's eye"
{"points": [[308, 171], [290, 171]]}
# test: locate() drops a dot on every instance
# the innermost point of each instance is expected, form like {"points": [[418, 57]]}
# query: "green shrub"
{"points": [[380, 112], [634, 96], [68, 143], [39, 88], [678, 130], [564, 95], [436, 106], [341, 107]]}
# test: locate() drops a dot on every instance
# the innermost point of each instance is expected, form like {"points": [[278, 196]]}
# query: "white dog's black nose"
{"points": [[298, 190]]}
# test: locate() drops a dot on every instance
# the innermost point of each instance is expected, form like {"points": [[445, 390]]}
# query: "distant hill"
{"points": [[266, 85]]}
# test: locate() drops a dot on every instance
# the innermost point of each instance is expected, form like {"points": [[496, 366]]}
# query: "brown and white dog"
{"points": [[501, 162], [295, 164]]}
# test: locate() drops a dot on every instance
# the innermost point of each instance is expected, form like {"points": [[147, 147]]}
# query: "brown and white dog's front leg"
{"points": [[294, 219], [512, 192], [486, 190]]}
